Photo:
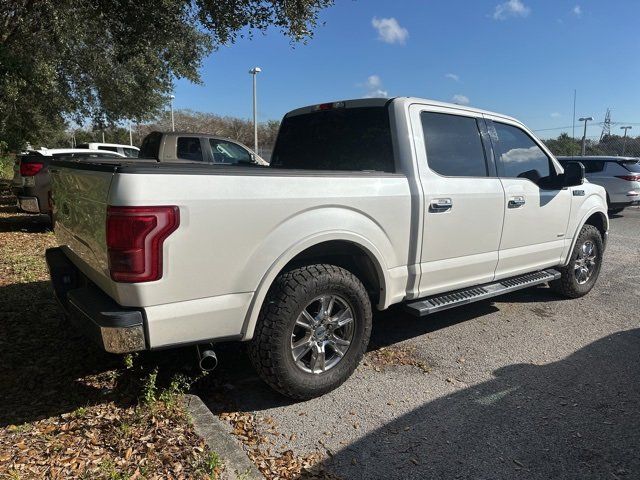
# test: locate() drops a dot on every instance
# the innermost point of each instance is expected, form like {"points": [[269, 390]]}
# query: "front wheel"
{"points": [[580, 274], [312, 332]]}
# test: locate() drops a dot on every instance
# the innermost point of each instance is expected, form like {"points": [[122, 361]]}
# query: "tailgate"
{"points": [[79, 197]]}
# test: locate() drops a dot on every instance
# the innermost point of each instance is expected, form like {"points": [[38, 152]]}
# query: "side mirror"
{"points": [[573, 174]]}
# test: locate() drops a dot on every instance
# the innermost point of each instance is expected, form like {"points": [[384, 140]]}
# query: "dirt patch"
{"points": [[395, 356]]}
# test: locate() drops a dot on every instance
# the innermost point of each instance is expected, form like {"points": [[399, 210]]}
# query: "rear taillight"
{"points": [[631, 178], [134, 241], [29, 169]]}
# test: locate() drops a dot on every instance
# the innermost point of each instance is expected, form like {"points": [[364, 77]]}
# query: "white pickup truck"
{"points": [[366, 203]]}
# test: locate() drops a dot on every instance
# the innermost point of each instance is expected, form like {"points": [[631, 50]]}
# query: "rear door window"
{"points": [[130, 152], [189, 148], [520, 155], [109, 149], [454, 145], [631, 166], [593, 166]]}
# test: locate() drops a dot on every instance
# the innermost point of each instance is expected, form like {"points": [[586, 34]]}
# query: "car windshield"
{"points": [[632, 166], [338, 139]]}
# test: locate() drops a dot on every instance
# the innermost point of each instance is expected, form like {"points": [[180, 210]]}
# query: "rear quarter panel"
{"points": [[235, 229]]}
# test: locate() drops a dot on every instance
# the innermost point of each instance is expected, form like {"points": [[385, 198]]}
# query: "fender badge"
{"points": [[578, 193]]}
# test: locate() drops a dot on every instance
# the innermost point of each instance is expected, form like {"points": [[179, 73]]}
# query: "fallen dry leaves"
{"points": [[396, 355], [68, 410], [283, 465]]}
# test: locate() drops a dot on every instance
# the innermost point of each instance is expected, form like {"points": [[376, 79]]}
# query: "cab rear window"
{"points": [[353, 139]]}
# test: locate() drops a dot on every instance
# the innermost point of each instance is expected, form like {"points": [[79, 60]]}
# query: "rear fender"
{"points": [[363, 232]]}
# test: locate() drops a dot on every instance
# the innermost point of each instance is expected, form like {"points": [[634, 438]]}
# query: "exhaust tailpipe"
{"points": [[207, 358]]}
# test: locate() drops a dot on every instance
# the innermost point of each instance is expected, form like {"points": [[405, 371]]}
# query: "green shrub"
{"points": [[6, 166]]}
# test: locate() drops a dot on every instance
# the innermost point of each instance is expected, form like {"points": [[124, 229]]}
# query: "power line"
{"points": [[595, 124]]}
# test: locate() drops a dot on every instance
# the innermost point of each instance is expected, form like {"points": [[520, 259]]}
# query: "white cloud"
{"points": [[556, 115], [452, 76], [522, 155], [389, 30], [511, 8], [374, 88], [577, 11], [460, 99]]}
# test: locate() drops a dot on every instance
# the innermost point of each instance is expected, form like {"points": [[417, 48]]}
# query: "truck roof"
{"points": [[377, 102]]}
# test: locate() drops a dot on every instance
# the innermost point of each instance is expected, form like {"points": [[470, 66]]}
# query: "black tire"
{"points": [[615, 211], [271, 348], [568, 284]]}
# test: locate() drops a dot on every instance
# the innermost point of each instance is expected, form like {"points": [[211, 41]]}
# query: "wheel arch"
{"points": [[346, 249], [595, 217]]}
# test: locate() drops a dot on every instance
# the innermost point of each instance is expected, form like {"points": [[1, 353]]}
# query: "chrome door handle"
{"points": [[516, 202], [439, 205]]}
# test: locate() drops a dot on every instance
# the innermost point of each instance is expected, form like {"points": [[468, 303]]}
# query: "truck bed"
{"points": [[235, 224]]}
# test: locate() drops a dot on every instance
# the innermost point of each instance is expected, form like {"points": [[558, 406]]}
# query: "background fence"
{"points": [[613, 145]]}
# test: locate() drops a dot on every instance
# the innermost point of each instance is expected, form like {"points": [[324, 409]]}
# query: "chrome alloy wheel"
{"points": [[322, 334], [585, 263]]}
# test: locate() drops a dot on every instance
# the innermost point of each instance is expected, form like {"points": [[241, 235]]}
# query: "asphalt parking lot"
{"points": [[527, 386]]}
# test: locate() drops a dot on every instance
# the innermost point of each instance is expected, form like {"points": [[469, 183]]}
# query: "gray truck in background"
{"points": [[197, 147]]}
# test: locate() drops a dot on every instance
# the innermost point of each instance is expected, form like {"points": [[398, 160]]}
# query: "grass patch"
{"points": [[6, 166]]}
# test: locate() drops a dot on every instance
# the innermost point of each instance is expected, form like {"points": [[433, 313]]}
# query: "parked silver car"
{"points": [[620, 177]]}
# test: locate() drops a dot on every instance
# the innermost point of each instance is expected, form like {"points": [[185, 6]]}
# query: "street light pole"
{"points": [[130, 135], [173, 125], [584, 135], [624, 140], [255, 71]]}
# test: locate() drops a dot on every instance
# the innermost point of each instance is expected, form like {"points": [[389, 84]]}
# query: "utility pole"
{"points": [[584, 136], [173, 125], [624, 140], [573, 125], [606, 126], [255, 71], [130, 135]]}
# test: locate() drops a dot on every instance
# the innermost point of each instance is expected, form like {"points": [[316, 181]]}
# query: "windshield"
{"points": [[228, 152], [338, 139]]}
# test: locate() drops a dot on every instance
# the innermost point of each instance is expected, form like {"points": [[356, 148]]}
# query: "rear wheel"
{"points": [[312, 332], [580, 274]]}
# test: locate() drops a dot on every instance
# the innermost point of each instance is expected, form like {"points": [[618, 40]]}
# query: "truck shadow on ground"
{"points": [[575, 418], [243, 389]]}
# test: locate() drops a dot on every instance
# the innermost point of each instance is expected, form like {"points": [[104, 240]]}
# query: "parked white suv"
{"points": [[126, 150], [620, 177], [366, 203]]}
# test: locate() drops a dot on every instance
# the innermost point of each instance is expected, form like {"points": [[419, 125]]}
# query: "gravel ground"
{"points": [[527, 386]]}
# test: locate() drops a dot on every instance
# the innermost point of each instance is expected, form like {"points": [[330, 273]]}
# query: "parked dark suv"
{"points": [[31, 182]]}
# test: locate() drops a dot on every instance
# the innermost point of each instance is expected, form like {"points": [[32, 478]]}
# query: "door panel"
{"points": [[534, 231], [536, 214], [463, 214]]}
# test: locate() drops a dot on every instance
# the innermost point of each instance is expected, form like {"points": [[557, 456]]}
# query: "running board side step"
{"points": [[437, 303]]}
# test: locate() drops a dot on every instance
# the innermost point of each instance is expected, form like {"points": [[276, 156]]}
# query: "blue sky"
{"points": [[519, 57]]}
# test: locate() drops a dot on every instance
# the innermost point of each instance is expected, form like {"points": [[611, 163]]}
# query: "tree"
{"points": [[563, 145], [111, 60]]}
